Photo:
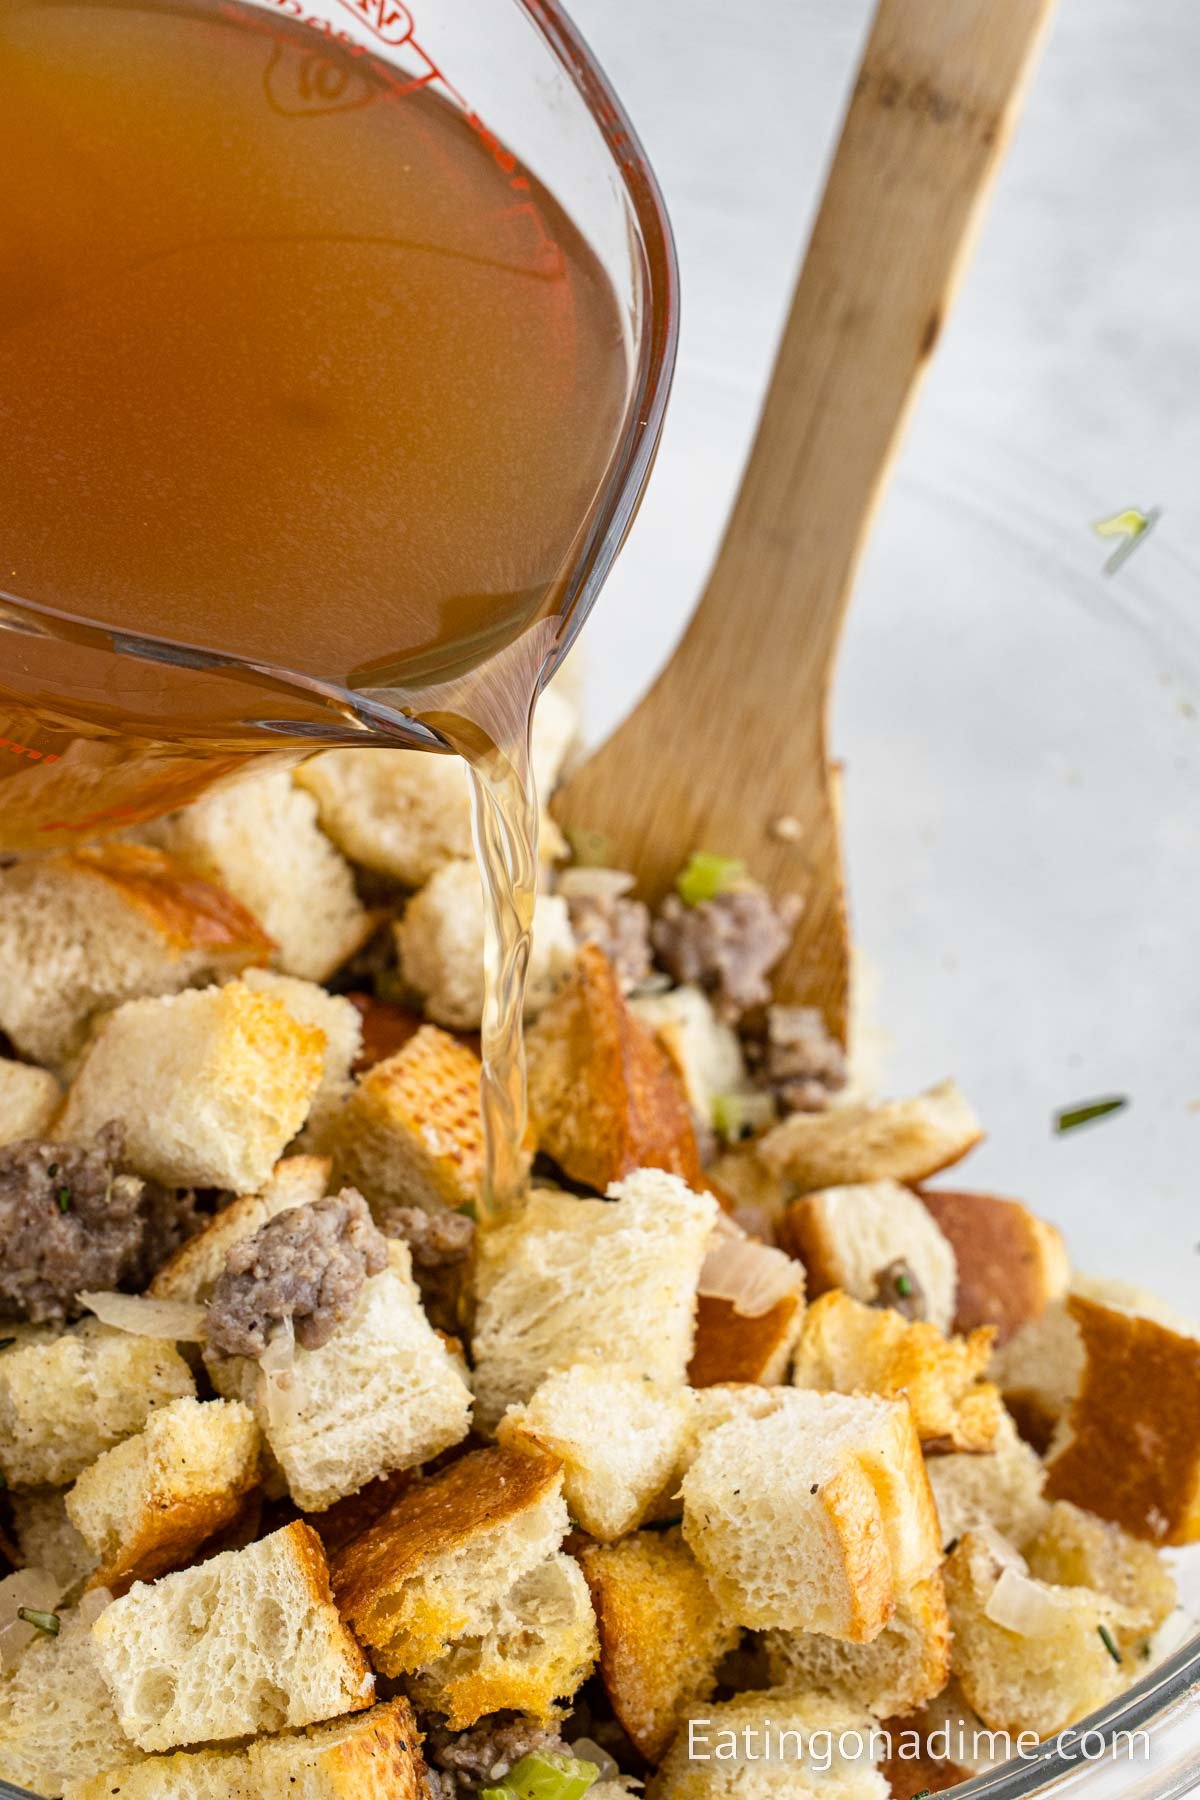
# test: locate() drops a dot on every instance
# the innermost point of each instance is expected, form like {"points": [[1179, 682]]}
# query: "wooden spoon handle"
{"points": [[732, 736]]}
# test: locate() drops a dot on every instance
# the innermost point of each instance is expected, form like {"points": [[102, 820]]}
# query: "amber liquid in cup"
{"points": [[304, 380]]}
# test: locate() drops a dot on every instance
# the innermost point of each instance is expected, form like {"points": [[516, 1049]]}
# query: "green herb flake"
{"points": [[1131, 526], [904, 1286], [705, 876], [1106, 1638], [64, 1199], [590, 849], [1070, 1116], [546, 1775], [738, 1116], [924, 1794], [52, 1171], [41, 1621]]}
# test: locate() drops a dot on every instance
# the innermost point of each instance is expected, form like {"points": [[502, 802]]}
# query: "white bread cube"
{"points": [[342, 1024], [1029, 1656], [57, 1720], [1076, 1549], [406, 813], [1002, 1489], [411, 1133], [846, 1236], [816, 1517], [846, 1347], [902, 1668], [66, 1400], [209, 1085], [183, 1775], [568, 1281], [774, 1746], [29, 1099], [245, 1643], [447, 1552], [383, 1393], [706, 1052], [900, 1140], [439, 942], [618, 1435], [46, 1538], [662, 1635], [149, 1503], [259, 839], [82, 932], [196, 1267], [539, 1648]]}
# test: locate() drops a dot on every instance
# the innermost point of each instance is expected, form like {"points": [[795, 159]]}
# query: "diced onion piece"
{"points": [[37, 1591], [1023, 1605], [582, 883], [592, 1752], [752, 1276], [279, 1378], [179, 1320]]}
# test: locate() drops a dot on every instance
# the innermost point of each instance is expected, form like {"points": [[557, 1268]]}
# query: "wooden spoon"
{"points": [[728, 750]]}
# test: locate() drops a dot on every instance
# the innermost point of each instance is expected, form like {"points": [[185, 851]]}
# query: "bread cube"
{"points": [[706, 1052], [259, 839], [439, 941], [244, 1643], [29, 1099], [774, 1746], [365, 1757], [411, 1133], [816, 1517], [850, 1237], [65, 1400], [758, 1196], [447, 1552], [898, 1140], [749, 1312], [341, 1022], [383, 1393], [538, 1649], [617, 1434], [82, 932], [662, 1635], [1002, 1489], [1076, 1549], [196, 1267], [907, 1664], [848, 1348], [406, 813], [1011, 1264], [209, 1085], [938, 1746], [46, 1538], [149, 1503], [184, 1775], [1140, 1388], [569, 1281], [1028, 1656], [57, 1720], [604, 1097]]}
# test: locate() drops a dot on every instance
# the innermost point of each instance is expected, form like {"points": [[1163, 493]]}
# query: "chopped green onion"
{"points": [[1106, 1638], [545, 1775], [737, 1116], [1131, 527], [1071, 1116], [705, 876], [43, 1621], [590, 849], [64, 1199]]}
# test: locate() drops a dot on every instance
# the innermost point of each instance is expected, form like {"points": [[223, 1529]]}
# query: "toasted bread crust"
{"points": [[604, 1096], [187, 911], [1011, 1264], [803, 1235], [472, 1496], [1133, 1450], [310, 1555], [169, 1538], [732, 1346]]}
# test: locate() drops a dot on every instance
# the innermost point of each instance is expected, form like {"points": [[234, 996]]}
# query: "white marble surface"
{"points": [[1019, 732]]}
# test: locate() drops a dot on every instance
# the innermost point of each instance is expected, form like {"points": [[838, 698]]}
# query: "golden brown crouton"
{"points": [[907, 1664], [662, 1634], [1011, 1264], [412, 1130], [848, 1348], [900, 1140], [604, 1097], [1132, 1447], [1076, 1549], [433, 1566], [735, 1346]]}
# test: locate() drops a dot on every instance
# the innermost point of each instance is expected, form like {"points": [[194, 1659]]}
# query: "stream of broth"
{"points": [[308, 395]]}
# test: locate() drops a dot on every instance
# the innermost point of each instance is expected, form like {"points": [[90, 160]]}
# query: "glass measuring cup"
{"points": [[108, 716]]}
